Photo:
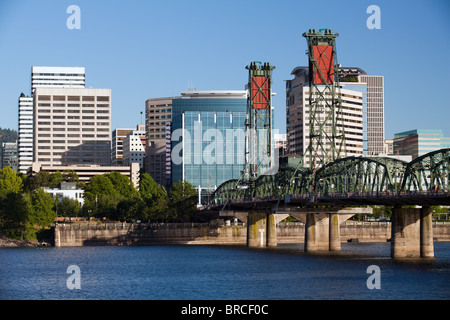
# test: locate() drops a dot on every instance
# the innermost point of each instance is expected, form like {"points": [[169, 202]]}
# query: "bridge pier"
{"points": [[261, 230], [412, 233], [323, 226]]}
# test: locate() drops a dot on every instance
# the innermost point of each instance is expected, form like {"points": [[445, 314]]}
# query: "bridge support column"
{"points": [[412, 234], [261, 230], [335, 232], [426, 233], [317, 232]]}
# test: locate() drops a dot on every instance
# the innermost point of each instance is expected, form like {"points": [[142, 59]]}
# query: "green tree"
{"points": [[10, 181], [42, 213], [70, 176], [122, 184], [40, 180], [97, 186], [148, 188], [55, 179], [68, 207], [184, 200], [131, 209], [15, 211]]}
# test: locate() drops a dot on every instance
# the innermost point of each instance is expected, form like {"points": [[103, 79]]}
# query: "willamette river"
{"points": [[220, 273]]}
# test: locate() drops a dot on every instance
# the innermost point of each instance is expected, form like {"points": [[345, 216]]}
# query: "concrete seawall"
{"points": [[111, 234]]}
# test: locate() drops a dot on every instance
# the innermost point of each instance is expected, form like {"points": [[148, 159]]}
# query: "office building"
{"points": [[9, 155], [208, 138], [419, 142], [25, 133], [158, 115], [375, 113], [134, 147], [42, 77], [117, 145], [72, 126], [297, 126], [351, 78]]}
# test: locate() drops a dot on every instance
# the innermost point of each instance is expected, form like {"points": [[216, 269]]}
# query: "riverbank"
{"points": [[11, 243]]}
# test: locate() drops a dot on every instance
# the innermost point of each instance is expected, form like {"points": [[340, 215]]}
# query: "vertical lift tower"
{"points": [[259, 146], [326, 123]]}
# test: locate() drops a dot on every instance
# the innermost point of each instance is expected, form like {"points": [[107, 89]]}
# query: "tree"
{"points": [[15, 211], [55, 179], [131, 209], [68, 207], [97, 186], [184, 199], [122, 184], [42, 213], [71, 176], [40, 180], [148, 188], [10, 181]]}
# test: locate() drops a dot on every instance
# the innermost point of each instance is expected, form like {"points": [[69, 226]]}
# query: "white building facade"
{"points": [[134, 147]]}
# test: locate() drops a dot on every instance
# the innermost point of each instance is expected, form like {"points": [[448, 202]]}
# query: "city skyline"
{"points": [[168, 48]]}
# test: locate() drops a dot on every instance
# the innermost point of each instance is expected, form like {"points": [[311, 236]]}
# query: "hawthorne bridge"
{"points": [[326, 197]]}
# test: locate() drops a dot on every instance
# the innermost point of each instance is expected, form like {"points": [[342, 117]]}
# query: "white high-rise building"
{"points": [[25, 139], [42, 77], [57, 77]]}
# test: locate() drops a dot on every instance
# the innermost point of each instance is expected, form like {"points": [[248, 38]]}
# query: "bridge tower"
{"points": [[259, 147], [326, 125]]}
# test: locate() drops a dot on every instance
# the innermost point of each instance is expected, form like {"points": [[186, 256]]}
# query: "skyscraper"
{"points": [[158, 114], [297, 120], [375, 113], [208, 138], [42, 77], [25, 134], [72, 126], [372, 101]]}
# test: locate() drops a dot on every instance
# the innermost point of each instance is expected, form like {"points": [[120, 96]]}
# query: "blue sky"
{"points": [[150, 49]]}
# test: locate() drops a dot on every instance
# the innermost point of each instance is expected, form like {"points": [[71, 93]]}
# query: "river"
{"points": [[220, 273]]}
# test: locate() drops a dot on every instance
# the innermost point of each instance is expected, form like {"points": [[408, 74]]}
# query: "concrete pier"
{"points": [[323, 226], [257, 229], [412, 233], [426, 233]]}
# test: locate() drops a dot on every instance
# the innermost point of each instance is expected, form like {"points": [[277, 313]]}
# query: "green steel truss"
{"points": [[369, 177], [429, 172]]}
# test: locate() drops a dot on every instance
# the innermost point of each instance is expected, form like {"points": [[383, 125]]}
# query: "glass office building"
{"points": [[208, 138]]}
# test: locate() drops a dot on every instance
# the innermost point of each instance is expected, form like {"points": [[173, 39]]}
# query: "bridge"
{"points": [[326, 197]]}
